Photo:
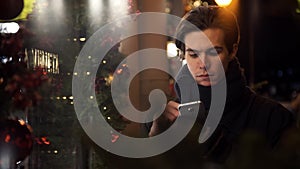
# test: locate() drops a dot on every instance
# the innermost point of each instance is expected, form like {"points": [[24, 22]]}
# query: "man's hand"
{"points": [[166, 119]]}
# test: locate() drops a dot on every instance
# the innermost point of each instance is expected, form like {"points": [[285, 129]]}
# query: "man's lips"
{"points": [[202, 75]]}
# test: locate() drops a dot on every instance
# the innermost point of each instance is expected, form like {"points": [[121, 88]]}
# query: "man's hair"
{"points": [[204, 17]]}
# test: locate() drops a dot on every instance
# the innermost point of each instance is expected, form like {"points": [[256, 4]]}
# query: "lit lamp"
{"points": [[172, 50], [223, 3]]}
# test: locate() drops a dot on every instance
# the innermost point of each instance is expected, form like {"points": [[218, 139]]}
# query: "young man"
{"points": [[244, 110]]}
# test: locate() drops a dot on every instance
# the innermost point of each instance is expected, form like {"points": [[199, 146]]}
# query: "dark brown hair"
{"points": [[204, 17]]}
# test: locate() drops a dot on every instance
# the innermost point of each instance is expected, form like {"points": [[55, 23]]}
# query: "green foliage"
{"points": [[104, 77]]}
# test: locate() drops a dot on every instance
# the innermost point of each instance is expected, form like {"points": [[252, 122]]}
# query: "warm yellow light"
{"points": [[22, 122], [197, 3], [109, 79], [82, 39], [167, 10], [223, 2]]}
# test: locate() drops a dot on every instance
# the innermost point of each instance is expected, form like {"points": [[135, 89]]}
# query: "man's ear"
{"points": [[234, 51]]}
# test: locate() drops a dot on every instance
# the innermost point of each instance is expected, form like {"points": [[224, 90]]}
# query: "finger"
{"points": [[173, 104], [171, 111]]}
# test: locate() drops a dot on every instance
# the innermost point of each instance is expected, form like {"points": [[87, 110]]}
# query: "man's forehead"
{"points": [[197, 40], [208, 38]]}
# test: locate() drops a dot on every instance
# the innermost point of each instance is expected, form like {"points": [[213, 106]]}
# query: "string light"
{"points": [[109, 79], [197, 3], [82, 39], [193, 4]]}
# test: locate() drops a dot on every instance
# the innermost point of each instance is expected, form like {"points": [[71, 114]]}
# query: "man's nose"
{"points": [[202, 61]]}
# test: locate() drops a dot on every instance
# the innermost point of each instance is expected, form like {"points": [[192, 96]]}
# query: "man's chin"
{"points": [[205, 83]]}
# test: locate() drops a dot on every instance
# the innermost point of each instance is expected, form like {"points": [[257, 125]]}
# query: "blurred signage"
{"points": [[9, 27]]}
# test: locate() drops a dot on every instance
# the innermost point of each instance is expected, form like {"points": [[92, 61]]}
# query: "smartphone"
{"points": [[189, 105]]}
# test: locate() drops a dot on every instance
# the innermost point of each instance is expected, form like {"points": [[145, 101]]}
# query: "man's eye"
{"points": [[211, 52], [219, 49], [214, 51], [192, 54]]}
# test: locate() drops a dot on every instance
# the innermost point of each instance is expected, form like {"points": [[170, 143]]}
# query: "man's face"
{"points": [[207, 56]]}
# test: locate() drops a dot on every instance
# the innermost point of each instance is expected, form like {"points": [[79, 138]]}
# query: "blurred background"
{"points": [[41, 40]]}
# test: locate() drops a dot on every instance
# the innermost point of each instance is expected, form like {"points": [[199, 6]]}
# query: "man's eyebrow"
{"points": [[218, 47], [192, 50]]}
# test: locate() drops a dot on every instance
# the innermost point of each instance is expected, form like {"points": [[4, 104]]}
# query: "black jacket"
{"points": [[244, 112]]}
